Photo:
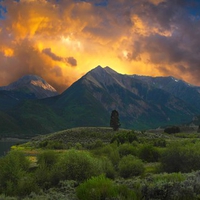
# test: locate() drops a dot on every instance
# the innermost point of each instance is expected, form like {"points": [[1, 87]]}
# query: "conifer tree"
{"points": [[114, 120]]}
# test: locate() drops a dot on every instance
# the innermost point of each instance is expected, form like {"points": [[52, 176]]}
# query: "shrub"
{"points": [[181, 158], [124, 137], [96, 188], [95, 145], [149, 153], [13, 168], [46, 177], [27, 185], [79, 166], [100, 188], [130, 166], [52, 144], [47, 158], [107, 167], [159, 142], [47, 174], [126, 149], [124, 193], [110, 151], [163, 186], [43, 144], [98, 143]]}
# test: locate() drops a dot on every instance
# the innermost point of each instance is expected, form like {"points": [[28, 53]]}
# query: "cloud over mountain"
{"points": [[70, 60], [64, 39]]}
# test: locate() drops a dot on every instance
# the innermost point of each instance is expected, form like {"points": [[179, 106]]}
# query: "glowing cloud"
{"points": [[62, 40]]}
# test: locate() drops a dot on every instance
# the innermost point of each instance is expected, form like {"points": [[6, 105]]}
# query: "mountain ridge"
{"points": [[136, 101], [88, 102]]}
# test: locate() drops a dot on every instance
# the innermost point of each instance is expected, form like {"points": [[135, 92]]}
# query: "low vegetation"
{"points": [[99, 164]]}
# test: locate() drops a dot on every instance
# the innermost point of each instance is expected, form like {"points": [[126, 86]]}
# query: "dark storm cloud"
{"points": [[28, 60], [154, 37], [72, 61], [48, 52], [176, 42], [69, 60]]}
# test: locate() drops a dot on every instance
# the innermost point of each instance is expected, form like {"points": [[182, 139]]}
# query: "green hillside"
{"points": [[69, 164], [33, 118]]}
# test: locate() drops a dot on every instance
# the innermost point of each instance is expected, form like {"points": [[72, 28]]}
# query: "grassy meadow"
{"points": [[100, 164]]}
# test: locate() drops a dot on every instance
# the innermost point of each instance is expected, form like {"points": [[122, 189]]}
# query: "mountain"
{"points": [[142, 102], [30, 87], [179, 88], [22, 113]]}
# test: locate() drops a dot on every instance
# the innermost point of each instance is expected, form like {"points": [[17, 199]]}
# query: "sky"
{"points": [[61, 40]]}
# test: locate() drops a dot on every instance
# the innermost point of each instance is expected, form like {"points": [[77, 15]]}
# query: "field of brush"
{"points": [[98, 163]]}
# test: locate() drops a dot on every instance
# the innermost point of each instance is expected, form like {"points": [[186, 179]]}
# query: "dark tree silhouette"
{"points": [[114, 120]]}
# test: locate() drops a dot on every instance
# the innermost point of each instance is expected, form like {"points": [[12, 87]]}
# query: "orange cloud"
{"points": [[50, 38]]}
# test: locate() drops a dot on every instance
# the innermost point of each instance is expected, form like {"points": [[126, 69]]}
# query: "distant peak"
{"points": [[32, 84], [31, 77], [109, 70]]}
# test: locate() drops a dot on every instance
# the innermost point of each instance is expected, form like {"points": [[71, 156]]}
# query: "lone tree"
{"points": [[114, 120]]}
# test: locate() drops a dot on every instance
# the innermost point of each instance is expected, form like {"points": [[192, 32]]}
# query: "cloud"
{"points": [[48, 52], [70, 60], [57, 71], [62, 40], [170, 42]]}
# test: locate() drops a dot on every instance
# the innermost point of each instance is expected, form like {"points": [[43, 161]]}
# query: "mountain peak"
{"points": [[100, 70], [31, 77], [97, 69], [110, 70], [33, 85]]}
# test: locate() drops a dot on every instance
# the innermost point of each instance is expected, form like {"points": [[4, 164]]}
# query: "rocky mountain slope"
{"points": [[143, 103], [179, 88], [139, 102]]}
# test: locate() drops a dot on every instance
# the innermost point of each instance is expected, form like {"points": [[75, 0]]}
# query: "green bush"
{"points": [[52, 144], [79, 166], [78, 146], [126, 149], [124, 137], [180, 157], [27, 185], [159, 142], [47, 173], [107, 168], [43, 144], [124, 193], [47, 158], [13, 168], [149, 153], [130, 166], [163, 186], [110, 151], [96, 188], [100, 188], [96, 144]]}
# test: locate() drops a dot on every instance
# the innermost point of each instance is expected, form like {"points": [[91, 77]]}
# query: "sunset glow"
{"points": [[61, 40]]}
